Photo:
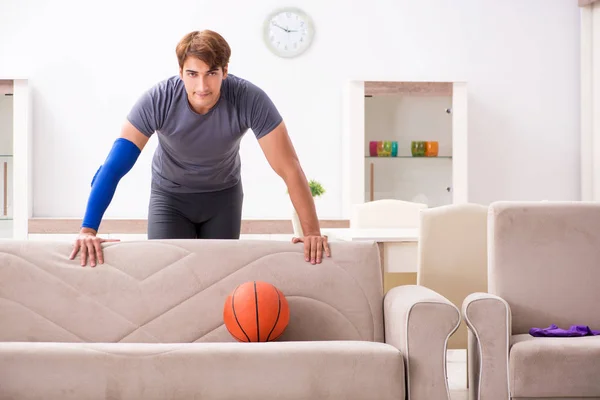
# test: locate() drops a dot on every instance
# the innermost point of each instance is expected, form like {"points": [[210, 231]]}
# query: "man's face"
{"points": [[202, 84]]}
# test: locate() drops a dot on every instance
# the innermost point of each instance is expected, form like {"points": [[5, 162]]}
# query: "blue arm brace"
{"points": [[120, 160]]}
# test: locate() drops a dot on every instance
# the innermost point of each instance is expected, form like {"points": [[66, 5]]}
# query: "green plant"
{"points": [[316, 188]]}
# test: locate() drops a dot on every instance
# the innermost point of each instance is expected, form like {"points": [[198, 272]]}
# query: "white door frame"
{"points": [[22, 160], [353, 138], [590, 103]]}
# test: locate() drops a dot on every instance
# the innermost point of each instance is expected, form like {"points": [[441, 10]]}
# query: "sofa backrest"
{"points": [[174, 291], [544, 260]]}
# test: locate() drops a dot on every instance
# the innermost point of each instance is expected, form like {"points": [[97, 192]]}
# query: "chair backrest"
{"points": [[386, 213], [174, 291], [452, 257], [544, 260]]}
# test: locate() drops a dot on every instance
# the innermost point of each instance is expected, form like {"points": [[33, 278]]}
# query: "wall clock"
{"points": [[288, 32]]}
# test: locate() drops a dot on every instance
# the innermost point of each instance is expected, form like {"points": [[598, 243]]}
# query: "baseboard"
{"points": [[123, 226]]}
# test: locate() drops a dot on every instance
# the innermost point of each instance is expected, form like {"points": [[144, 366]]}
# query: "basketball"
{"points": [[256, 312]]}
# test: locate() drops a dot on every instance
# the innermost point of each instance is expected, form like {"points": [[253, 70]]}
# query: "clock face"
{"points": [[288, 32]]}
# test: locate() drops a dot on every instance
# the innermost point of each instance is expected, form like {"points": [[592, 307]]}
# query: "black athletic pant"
{"points": [[214, 215]]}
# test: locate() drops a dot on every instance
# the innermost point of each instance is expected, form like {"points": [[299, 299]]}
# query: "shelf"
{"points": [[421, 157]]}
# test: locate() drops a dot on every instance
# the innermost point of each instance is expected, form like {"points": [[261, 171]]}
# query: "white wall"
{"points": [[404, 118], [88, 62]]}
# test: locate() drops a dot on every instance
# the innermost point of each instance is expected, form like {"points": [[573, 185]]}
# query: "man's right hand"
{"points": [[90, 246]]}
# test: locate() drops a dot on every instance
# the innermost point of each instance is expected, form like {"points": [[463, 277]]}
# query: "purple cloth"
{"points": [[555, 331]]}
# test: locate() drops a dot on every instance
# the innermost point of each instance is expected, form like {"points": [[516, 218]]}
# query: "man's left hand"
{"points": [[313, 247]]}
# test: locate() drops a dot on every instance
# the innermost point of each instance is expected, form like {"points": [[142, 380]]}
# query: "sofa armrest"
{"points": [[488, 320], [419, 321]]}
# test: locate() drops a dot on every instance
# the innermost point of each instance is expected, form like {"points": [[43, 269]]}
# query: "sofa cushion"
{"points": [[555, 367], [173, 291], [291, 370], [542, 259]]}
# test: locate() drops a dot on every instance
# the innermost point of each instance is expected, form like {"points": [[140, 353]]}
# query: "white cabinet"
{"points": [[403, 119], [401, 113]]}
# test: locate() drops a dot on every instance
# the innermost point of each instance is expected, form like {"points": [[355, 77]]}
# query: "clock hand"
{"points": [[281, 27]]}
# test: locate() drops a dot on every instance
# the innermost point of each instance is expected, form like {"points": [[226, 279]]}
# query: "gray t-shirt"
{"points": [[200, 153]]}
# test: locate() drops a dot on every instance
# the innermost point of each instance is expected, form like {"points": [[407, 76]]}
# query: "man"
{"points": [[200, 117]]}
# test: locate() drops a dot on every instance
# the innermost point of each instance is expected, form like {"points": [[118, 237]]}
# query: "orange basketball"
{"points": [[256, 312]]}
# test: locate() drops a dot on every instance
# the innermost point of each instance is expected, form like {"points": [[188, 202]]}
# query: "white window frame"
{"points": [[590, 102]]}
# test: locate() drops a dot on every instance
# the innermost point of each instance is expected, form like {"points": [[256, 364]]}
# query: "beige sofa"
{"points": [[544, 268], [148, 325]]}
